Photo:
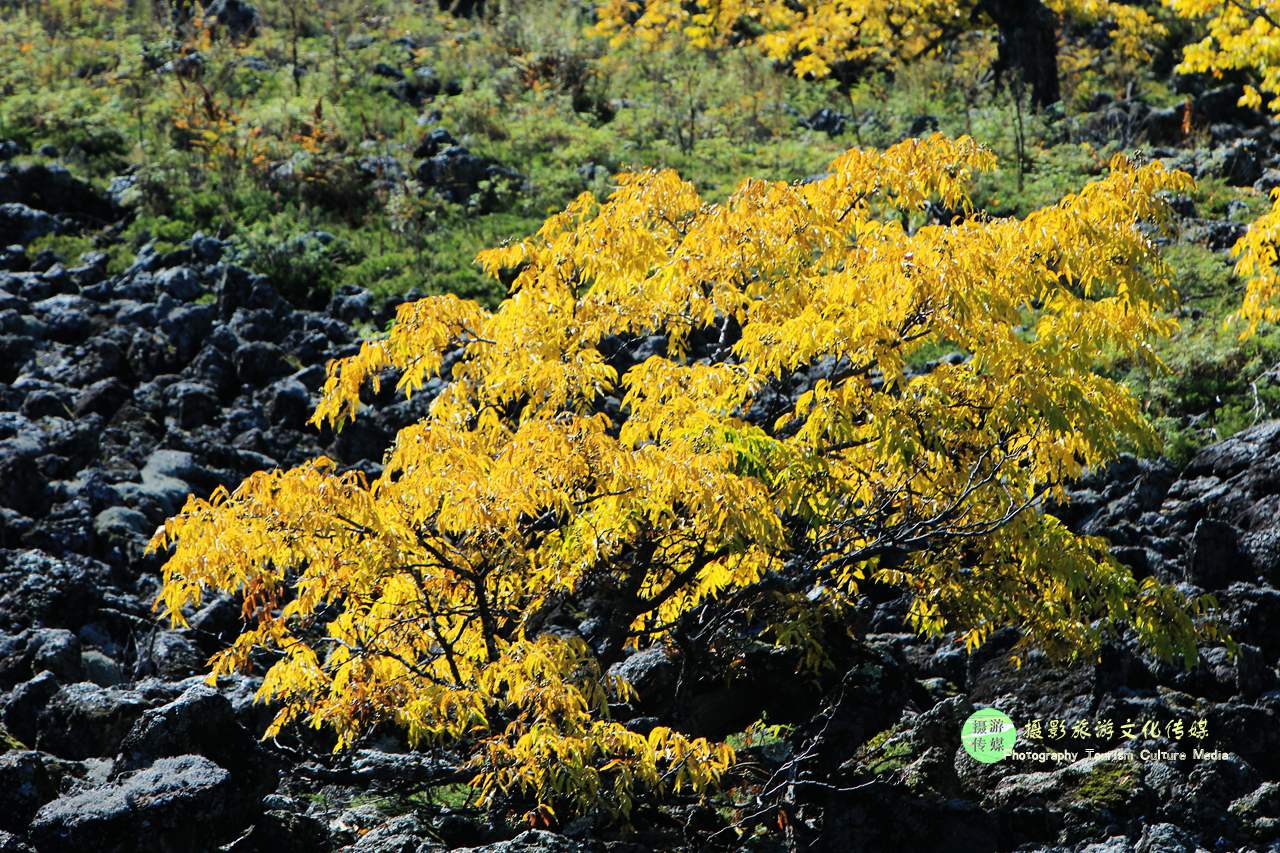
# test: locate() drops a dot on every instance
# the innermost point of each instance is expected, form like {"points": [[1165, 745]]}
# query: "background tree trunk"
{"points": [[1028, 46]]}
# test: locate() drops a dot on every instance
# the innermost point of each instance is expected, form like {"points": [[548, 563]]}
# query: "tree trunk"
{"points": [[1028, 46]]}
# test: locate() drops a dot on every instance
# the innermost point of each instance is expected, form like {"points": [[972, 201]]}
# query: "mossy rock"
{"points": [[1108, 785], [8, 740], [889, 751]]}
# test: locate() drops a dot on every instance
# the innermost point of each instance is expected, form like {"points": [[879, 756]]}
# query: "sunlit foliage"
{"points": [[815, 35], [1245, 37], [421, 597]]}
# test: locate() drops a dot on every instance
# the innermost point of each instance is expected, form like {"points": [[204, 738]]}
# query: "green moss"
{"points": [[886, 752], [8, 740], [1107, 785], [1050, 172], [455, 796]]}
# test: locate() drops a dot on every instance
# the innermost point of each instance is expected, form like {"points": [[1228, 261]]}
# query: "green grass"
{"points": [[1214, 384], [532, 90]]}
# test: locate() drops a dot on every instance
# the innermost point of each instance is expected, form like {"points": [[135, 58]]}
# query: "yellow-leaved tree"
{"points": [[816, 36], [550, 471], [1244, 38]]}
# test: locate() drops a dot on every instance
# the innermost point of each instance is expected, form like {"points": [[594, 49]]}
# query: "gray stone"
{"points": [[99, 668], [199, 722], [177, 805], [21, 224], [58, 651], [85, 720], [1166, 838], [170, 655], [179, 282], [122, 534], [531, 841], [651, 672]]}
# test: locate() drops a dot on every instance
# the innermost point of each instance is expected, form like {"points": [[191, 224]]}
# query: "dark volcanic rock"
{"points": [[21, 224], [532, 841], [22, 485], [199, 722], [23, 705], [53, 189], [170, 655], [178, 804], [85, 721], [828, 121], [652, 672], [39, 589], [1216, 558], [435, 141], [458, 175], [55, 650], [25, 786], [238, 17]]}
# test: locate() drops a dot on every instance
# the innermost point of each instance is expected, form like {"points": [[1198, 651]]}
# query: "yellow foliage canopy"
{"points": [[418, 597], [1245, 36], [815, 35]]}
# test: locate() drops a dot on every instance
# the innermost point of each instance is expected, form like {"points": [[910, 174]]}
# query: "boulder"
{"points": [[39, 589], [179, 282], [121, 534], [22, 485], [25, 786], [1215, 558], [85, 720], [1164, 125], [1259, 812], [169, 655], [436, 140], [10, 843], [1222, 105], [1239, 164], [402, 834], [199, 722], [392, 771], [165, 482], [260, 362], [103, 397], [531, 841], [458, 175], [288, 403], [288, 831], [239, 18], [652, 672], [56, 650], [101, 668], [180, 804], [194, 404], [52, 188], [828, 121], [21, 224], [21, 709]]}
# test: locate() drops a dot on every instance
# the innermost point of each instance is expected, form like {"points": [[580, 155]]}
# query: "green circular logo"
{"points": [[988, 735]]}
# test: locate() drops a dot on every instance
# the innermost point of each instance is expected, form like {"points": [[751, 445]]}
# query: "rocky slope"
{"points": [[122, 393]]}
